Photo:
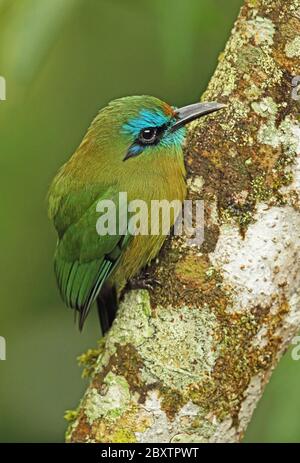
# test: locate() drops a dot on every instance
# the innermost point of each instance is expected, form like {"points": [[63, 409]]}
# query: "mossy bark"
{"points": [[188, 360]]}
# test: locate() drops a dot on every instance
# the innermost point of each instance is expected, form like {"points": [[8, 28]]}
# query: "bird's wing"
{"points": [[83, 258]]}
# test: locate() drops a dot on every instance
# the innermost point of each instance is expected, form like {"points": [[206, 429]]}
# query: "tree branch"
{"points": [[188, 361]]}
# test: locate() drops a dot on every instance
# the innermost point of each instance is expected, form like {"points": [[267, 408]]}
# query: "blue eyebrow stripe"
{"points": [[146, 118]]}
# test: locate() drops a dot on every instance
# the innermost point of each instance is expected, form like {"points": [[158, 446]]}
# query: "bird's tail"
{"points": [[107, 307]]}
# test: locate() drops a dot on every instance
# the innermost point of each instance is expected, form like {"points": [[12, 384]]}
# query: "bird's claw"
{"points": [[144, 283]]}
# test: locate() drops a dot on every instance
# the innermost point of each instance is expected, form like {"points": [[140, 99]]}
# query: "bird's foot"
{"points": [[143, 282]]}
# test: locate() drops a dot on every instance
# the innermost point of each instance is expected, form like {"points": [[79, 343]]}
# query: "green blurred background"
{"points": [[63, 60]]}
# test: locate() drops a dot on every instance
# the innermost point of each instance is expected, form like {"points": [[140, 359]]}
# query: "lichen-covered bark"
{"points": [[188, 360]]}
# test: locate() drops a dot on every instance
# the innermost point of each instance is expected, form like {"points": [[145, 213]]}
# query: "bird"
{"points": [[134, 146]]}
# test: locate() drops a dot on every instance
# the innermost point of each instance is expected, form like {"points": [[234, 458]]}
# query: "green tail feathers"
{"points": [[80, 283]]}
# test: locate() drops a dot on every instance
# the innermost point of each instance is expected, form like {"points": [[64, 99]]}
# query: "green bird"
{"points": [[133, 146]]}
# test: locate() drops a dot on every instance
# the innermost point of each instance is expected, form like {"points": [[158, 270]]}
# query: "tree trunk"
{"points": [[188, 360]]}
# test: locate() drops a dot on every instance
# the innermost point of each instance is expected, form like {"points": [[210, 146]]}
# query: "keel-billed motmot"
{"points": [[134, 145]]}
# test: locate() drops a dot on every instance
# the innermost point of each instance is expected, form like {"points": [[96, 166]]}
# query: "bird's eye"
{"points": [[148, 136]]}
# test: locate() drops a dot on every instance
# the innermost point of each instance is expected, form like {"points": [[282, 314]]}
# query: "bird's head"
{"points": [[144, 126]]}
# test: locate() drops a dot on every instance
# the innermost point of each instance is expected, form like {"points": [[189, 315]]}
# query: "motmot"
{"points": [[134, 145]]}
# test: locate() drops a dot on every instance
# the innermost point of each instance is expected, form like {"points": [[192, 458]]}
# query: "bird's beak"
{"points": [[194, 111]]}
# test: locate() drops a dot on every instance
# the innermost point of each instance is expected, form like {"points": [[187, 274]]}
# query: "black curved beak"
{"points": [[194, 111]]}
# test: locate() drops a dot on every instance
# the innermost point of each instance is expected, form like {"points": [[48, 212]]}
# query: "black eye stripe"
{"points": [[140, 143]]}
